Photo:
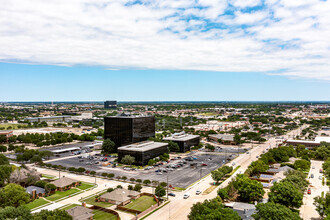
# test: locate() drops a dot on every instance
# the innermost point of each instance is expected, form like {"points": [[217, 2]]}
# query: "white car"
{"points": [[320, 177], [186, 196], [198, 192]]}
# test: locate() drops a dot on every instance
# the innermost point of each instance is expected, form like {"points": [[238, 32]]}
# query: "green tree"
{"points": [[20, 213], [274, 211], [52, 215], [13, 195], [302, 164], [50, 187], [160, 191], [257, 167], [108, 146], [320, 204], [3, 160], [217, 175], [249, 190], [137, 187], [173, 147], [210, 147], [286, 194], [127, 159], [211, 209]]}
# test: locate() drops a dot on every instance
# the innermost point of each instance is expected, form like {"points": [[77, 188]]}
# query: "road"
{"points": [[307, 210], [179, 208]]}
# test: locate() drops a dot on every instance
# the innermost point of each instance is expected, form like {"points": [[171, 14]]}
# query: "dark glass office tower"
{"points": [[128, 129], [110, 104]]}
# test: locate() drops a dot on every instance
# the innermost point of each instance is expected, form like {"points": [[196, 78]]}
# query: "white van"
{"points": [[186, 196]]}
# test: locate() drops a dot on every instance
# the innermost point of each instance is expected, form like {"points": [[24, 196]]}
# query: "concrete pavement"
{"points": [[307, 210]]}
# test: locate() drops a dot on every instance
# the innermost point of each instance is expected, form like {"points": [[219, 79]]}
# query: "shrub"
{"points": [[137, 187], [132, 179], [110, 189], [41, 183], [147, 182], [119, 187], [130, 187], [111, 175], [124, 178], [104, 174], [163, 184], [139, 181], [93, 172]]}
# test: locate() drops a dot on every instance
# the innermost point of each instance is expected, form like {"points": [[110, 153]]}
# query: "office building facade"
{"points": [[185, 141], [110, 104], [143, 151], [126, 129]]}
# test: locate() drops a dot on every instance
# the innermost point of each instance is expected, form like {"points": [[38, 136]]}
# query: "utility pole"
{"points": [[167, 185], [59, 174]]}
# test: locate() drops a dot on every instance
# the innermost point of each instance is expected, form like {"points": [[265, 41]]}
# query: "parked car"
{"points": [[204, 164], [320, 177], [312, 175], [159, 173], [313, 167], [186, 196], [198, 192], [309, 191], [171, 194], [321, 171]]}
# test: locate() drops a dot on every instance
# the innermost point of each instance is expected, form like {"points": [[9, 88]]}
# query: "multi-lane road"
{"points": [[179, 208]]}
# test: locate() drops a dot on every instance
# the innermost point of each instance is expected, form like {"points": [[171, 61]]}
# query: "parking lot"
{"points": [[190, 171]]}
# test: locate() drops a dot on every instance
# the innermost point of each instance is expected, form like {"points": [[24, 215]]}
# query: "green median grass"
{"points": [[85, 186], [59, 194], [36, 203], [141, 204], [100, 215]]}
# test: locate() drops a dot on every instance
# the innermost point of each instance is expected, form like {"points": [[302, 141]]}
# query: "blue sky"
{"points": [[22, 82], [165, 50]]}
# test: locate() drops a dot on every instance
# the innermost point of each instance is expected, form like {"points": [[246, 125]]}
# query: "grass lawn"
{"points": [[69, 207], [91, 201], [36, 203], [48, 176], [13, 126], [59, 195], [84, 186], [103, 215], [141, 204]]}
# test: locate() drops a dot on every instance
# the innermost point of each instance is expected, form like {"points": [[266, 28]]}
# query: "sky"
{"points": [[173, 50]]}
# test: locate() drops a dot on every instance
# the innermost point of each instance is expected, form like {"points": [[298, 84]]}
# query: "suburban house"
{"points": [[244, 210], [65, 183], [35, 191], [120, 196], [81, 213]]}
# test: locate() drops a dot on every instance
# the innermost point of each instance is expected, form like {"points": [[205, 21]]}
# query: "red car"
{"points": [[309, 191], [204, 164]]}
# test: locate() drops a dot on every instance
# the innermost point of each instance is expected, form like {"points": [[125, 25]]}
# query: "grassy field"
{"points": [[36, 203], [13, 126], [142, 203], [59, 195], [48, 176], [99, 215], [91, 201], [84, 186], [69, 207]]}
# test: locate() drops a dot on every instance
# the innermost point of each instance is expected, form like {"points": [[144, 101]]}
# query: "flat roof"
{"points": [[224, 137], [182, 137], [65, 149], [49, 117], [143, 146], [130, 116]]}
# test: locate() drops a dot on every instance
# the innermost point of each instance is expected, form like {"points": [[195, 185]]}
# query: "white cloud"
{"points": [[284, 37]]}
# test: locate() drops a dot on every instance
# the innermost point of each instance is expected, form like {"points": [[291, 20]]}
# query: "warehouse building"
{"points": [[185, 141], [143, 151], [127, 129]]}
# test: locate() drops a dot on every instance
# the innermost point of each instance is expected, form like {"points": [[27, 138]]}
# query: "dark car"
{"points": [[171, 194]]}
